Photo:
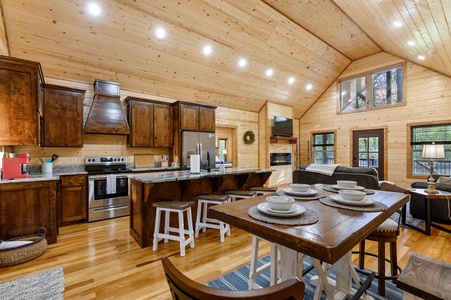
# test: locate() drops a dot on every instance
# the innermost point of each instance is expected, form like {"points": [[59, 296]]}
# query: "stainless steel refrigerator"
{"points": [[190, 142]]}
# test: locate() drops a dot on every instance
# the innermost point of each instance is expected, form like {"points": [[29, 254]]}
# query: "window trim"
{"points": [[368, 88], [409, 171], [312, 152]]}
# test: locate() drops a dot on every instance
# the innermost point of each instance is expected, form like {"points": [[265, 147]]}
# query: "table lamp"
{"points": [[432, 152]]}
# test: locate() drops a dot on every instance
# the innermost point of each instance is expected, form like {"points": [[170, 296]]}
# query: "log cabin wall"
{"points": [[102, 144], [427, 98]]}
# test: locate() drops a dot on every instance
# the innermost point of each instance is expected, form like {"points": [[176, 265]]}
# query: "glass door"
{"points": [[368, 150]]}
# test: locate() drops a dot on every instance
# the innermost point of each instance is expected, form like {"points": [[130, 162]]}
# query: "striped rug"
{"points": [[237, 280]]}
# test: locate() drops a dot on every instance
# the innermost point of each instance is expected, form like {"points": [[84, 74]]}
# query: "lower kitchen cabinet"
{"points": [[27, 206], [72, 199]]}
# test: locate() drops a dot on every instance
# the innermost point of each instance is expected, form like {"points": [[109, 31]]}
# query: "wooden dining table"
{"points": [[329, 240]]}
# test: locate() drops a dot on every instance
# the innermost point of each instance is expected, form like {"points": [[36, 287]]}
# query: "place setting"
{"points": [[346, 185], [353, 200], [283, 210], [300, 191]]}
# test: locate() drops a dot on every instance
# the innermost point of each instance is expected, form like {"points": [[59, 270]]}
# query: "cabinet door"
{"points": [[63, 117], [18, 106], [207, 119], [189, 117], [162, 122], [140, 118], [73, 204]]}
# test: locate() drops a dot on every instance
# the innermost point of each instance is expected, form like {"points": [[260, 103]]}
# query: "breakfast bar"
{"points": [[148, 188]]}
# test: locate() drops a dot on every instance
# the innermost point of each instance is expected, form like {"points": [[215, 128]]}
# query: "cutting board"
{"points": [[144, 161]]}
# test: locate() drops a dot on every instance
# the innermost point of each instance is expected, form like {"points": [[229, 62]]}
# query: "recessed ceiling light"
{"points": [[94, 9], [269, 72], [160, 33], [291, 80], [397, 24], [422, 57], [309, 86], [207, 50], [242, 62], [411, 43]]}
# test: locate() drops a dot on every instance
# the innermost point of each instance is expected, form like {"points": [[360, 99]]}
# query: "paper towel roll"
{"points": [[195, 163]]}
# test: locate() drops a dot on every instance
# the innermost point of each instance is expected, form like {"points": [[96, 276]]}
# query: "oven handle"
{"points": [[112, 208], [102, 177]]}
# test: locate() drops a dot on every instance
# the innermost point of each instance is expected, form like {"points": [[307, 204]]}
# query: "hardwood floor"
{"points": [[102, 261]]}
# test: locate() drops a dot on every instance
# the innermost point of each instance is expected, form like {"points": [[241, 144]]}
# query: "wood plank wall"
{"points": [[427, 97], [3, 41], [98, 144]]}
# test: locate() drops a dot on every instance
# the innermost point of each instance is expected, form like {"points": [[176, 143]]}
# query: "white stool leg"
{"points": [[156, 229], [190, 227], [204, 216], [254, 259], [181, 233], [274, 264], [166, 224], [199, 212]]}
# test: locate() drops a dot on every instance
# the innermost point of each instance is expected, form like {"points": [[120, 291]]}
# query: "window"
{"points": [[385, 88], [324, 148], [421, 135], [222, 149]]}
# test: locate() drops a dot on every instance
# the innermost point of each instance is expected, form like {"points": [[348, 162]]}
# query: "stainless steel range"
{"points": [[108, 193]]}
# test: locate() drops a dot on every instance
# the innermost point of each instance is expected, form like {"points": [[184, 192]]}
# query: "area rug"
{"points": [[409, 219], [48, 285], [237, 280]]}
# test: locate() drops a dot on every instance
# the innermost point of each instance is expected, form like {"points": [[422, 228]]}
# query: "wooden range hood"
{"points": [[106, 115]]}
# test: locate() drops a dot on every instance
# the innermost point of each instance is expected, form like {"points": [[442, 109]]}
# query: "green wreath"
{"points": [[249, 137]]}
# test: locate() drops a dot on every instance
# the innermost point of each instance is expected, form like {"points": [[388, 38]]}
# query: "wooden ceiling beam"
{"points": [[3, 41]]}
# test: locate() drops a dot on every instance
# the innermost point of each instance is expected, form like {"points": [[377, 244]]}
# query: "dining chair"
{"points": [[387, 232], [184, 288]]}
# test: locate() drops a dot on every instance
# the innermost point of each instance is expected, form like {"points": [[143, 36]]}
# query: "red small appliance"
{"points": [[16, 167]]}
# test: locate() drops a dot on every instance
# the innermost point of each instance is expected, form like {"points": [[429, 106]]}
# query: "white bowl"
{"points": [[300, 187], [352, 195], [347, 183], [280, 202]]}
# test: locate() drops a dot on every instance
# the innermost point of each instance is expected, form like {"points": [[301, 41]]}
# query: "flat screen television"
{"points": [[283, 126]]}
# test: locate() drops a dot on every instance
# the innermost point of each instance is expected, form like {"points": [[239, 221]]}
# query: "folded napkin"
{"points": [[322, 169], [111, 184]]}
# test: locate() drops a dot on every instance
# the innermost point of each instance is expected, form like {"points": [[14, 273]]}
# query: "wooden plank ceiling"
{"points": [[313, 41]]}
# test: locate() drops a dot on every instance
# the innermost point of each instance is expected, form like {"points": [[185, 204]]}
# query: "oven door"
{"points": [[101, 196]]}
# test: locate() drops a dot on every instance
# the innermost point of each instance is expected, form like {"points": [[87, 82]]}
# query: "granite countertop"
{"points": [[36, 175], [187, 175]]}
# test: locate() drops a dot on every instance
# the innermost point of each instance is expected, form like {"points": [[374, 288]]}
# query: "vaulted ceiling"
{"points": [[311, 41]]}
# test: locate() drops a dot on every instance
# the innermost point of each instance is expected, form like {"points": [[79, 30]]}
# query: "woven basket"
{"points": [[24, 253]]}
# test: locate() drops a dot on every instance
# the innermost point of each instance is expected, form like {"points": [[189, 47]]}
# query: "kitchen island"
{"points": [[146, 189]]}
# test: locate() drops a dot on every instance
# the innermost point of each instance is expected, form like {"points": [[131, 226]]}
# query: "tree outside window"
{"points": [[324, 148]]}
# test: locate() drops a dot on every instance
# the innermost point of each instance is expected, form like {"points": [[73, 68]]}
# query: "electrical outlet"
{"points": [[74, 160]]}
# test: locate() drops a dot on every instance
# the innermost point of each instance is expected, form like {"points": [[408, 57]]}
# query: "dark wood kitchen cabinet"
{"points": [[72, 202], [20, 101], [151, 123], [63, 117], [27, 206], [197, 117]]}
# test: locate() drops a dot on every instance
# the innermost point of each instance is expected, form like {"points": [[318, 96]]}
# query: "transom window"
{"points": [[324, 148], [421, 135], [385, 87]]}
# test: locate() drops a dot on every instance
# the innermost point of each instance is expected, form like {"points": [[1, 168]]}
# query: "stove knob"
{"points": [[122, 159]]}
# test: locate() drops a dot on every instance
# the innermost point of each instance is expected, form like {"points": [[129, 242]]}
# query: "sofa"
{"points": [[366, 177], [439, 208]]}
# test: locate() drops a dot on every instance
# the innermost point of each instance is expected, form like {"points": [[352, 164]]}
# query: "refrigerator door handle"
{"points": [[200, 154]]}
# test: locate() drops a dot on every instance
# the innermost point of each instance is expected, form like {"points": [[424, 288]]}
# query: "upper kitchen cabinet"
{"points": [[63, 117], [196, 117], [151, 123], [21, 101]]}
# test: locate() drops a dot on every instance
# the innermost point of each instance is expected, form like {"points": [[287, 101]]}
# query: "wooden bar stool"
{"points": [[178, 207], [263, 190], [241, 194], [203, 222]]}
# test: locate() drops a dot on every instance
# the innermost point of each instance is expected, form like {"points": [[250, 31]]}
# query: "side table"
{"points": [[441, 195]]}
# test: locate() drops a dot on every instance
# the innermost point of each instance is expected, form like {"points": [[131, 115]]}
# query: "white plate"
{"points": [[310, 192], [365, 202], [339, 187], [295, 210]]}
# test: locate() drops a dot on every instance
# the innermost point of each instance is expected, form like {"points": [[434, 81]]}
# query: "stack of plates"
{"points": [[365, 202], [295, 210], [339, 187], [310, 192]]}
